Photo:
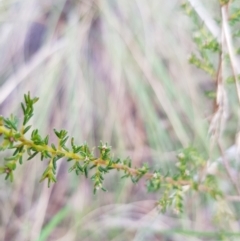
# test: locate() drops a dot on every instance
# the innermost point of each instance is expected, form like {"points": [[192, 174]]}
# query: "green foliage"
{"points": [[207, 45], [84, 161]]}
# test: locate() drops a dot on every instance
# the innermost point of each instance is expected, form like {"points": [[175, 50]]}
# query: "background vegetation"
{"points": [[115, 71]]}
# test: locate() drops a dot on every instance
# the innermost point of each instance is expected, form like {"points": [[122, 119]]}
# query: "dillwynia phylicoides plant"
{"points": [[83, 161], [190, 173]]}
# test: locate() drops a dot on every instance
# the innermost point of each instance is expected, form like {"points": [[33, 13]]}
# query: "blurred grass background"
{"points": [[106, 70]]}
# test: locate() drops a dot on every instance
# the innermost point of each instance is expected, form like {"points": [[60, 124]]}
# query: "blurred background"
{"points": [[108, 70]]}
